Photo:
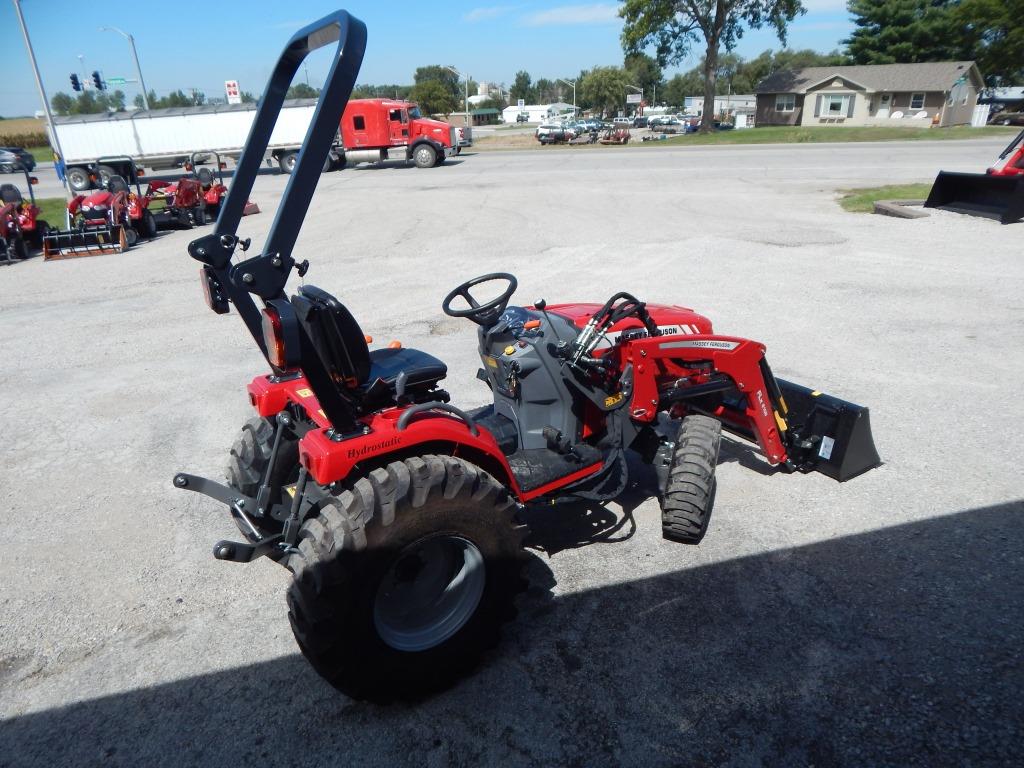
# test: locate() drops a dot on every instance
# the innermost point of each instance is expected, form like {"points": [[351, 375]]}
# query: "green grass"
{"points": [[42, 154], [863, 200], [52, 209]]}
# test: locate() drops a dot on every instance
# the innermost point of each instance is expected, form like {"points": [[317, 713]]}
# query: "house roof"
{"points": [[930, 76]]}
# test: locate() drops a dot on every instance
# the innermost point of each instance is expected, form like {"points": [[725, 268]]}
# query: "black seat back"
{"points": [[205, 176], [336, 336], [10, 194], [117, 184]]}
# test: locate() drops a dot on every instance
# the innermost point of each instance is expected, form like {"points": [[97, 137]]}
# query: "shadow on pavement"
{"points": [[899, 646]]}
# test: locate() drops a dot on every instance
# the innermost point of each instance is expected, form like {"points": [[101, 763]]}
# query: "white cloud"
{"points": [[491, 12], [600, 13]]}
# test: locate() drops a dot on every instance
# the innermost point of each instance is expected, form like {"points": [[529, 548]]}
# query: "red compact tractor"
{"points": [[193, 200], [21, 229], [109, 220], [396, 512]]}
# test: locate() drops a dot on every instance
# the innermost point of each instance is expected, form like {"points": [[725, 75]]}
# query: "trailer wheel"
{"points": [[404, 579], [690, 491], [287, 161], [103, 173], [424, 156], [78, 179]]}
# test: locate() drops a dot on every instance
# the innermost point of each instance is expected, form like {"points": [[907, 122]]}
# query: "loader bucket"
{"points": [[979, 194], [69, 244], [827, 434]]}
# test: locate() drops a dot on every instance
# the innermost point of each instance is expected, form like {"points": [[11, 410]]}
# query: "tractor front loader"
{"points": [[996, 194], [395, 511]]}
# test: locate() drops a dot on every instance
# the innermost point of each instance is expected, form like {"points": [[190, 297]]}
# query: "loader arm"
{"points": [[795, 426]]}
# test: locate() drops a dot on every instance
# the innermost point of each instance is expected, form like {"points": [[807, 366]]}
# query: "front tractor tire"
{"points": [[403, 579], [689, 493]]}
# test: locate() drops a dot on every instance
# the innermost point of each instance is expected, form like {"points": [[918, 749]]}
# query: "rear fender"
{"points": [[330, 459]]}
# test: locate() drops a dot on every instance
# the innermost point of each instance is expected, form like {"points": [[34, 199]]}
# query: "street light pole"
{"points": [[459, 74], [39, 85], [135, 56], [573, 84]]}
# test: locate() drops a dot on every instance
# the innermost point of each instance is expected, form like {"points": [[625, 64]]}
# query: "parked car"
{"points": [[15, 159], [1007, 118], [640, 121], [522, 117], [621, 122], [723, 126], [554, 133]]}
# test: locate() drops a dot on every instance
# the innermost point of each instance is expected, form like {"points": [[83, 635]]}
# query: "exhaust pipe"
{"points": [[826, 434]]}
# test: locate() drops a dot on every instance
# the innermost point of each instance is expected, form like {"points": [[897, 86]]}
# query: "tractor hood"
{"points": [[670, 318]]}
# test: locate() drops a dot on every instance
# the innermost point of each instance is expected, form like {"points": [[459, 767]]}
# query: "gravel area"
{"points": [[876, 622]]}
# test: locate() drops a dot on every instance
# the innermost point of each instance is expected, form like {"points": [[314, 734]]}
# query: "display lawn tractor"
{"points": [[397, 512], [996, 194], [21, 229], [109, 220], [193, 200]]}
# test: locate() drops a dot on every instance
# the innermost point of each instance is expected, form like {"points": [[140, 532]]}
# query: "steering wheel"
{"points": [[481, 314]]}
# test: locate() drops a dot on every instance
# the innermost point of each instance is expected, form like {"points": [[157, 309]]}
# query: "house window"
{"points": [[359, 123], [917, 101], [785, 102], [835, 105]]}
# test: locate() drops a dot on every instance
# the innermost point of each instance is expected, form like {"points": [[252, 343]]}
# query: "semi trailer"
{"points": [[162, 139]]}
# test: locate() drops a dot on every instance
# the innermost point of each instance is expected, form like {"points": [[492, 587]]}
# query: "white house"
{"points": [[538, 112]]}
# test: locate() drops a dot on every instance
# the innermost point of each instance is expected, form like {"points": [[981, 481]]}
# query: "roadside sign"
{"points": [[232, 92], [521, 103], [634, 98], [116, 80]]}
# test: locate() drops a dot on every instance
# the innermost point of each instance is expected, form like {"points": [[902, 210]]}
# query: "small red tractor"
{"points": [[109, 220], [21, 229], [195, 199], [996, 194], [396, 512]]}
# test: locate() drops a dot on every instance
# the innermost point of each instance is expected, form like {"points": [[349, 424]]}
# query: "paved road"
{"points": [[873, 622]]}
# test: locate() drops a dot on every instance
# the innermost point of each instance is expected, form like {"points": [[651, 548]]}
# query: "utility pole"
{"points": [[39, 85], [573, 84], [135, 57]]}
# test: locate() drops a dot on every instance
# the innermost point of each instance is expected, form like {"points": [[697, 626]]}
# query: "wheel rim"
{"points": [[423, 156], [429, 593]]}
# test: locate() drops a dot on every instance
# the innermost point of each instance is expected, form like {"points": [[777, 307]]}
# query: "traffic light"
{"points": [[97, 81], [75, 83]]}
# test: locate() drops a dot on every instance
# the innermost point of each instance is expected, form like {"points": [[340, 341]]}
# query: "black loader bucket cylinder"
{"points": [[979, 194], [827, 434]]}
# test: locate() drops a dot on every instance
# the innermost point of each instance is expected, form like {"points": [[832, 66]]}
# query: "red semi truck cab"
{"points": [[384, 129]]}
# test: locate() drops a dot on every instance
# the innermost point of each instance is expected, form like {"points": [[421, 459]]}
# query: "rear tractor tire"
{"points": [[690, 490], [250, 457], [403, 579]]}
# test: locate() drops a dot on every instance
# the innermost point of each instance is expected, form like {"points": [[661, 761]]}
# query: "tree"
{"points": [[522, 88], [302, 91], [674, 26], [995, 31], [604, 88], [645, 73], [902, 31], [443, 75], [62, 103], [434, 98], [247, 98], [679, 87]]}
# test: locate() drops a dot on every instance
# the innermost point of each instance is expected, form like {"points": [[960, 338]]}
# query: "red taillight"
{"points": [[273, 337], [213, 293]]}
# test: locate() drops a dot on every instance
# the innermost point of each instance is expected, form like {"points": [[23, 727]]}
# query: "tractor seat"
{"points": [[10, 194], [205, 176], [342, 348]]}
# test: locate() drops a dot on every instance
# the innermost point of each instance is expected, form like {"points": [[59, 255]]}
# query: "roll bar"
{"points": [[266, 274]]}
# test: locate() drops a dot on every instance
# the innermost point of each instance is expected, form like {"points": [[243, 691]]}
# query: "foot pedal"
{"points": [[556, 442]]}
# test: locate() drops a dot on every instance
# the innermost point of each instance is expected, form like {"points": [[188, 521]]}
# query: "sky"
{"points": [[187, 44]]}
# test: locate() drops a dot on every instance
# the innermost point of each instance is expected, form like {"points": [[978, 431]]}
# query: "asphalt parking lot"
{"points": [[876, 622]]}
